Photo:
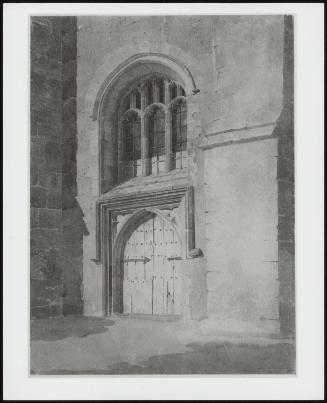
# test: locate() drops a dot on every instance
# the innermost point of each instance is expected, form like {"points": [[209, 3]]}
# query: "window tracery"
{"points": [[152, 128]]}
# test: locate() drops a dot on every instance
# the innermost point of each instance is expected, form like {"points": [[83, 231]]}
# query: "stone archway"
{"points": [[147, 276]]}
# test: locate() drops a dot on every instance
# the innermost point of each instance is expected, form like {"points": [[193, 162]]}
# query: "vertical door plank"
{"points": [[136, 296], [126, 281], [148, 252], [158, 289]]}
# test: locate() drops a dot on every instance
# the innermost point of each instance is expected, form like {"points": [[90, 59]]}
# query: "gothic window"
{"points": [[152, 128]]}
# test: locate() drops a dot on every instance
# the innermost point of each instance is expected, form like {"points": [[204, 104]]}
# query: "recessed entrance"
{"points": [[152, 278], [120, 222]]}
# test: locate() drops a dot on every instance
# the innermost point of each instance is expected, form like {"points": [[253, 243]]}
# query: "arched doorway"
{"points": [[150, 268]]}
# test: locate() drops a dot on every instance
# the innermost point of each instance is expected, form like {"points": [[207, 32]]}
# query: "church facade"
{"points": [[162, 169]]}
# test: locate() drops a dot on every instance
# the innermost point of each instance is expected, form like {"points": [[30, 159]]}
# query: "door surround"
{"points": [[110, 246]]}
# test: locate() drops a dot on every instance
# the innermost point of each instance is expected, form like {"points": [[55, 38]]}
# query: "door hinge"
{"points": [[143, 260], [174, 258]]}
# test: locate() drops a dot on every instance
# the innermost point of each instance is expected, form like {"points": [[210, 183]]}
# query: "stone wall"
{"points": [[53, 169], [237, 64], [241, 163], [241, 234]]}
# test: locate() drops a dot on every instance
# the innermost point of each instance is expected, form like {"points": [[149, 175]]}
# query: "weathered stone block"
{"points": [[33, 127], [40, 34], [286, 144], [68, 182], [69, 90], [42, 239], [44, 66], [68, 25], [72, 251], [69, 49], [38, 312], [287, 287], [69, 110], [69, 129], [38, 263], [38, 197], [45, 130], [56, 24], [285, 169], [50, 218], [285, 194], [47, 290], [72, 309], [33, 173], [54, 48], [43, 20], [54, 88], [50, 179], [69, 149], [34, 217], [48, 112], [286, 228], [38, 84], [53, 156], [53, 199], [35, 150], [71, 218], [46, 297], [68, 198], [43, 86], [69, 70]]}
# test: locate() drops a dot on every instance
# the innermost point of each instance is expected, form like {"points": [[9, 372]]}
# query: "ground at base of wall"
{"points": [[89, 345]]}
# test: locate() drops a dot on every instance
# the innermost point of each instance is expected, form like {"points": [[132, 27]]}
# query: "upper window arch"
{"points": [[111, 86], [152, 127]]}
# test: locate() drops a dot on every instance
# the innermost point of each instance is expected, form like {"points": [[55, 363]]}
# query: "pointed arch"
{"points": [[171, 64]]}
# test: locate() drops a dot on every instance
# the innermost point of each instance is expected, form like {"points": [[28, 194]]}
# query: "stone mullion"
{"points": [[144, 136], [168, 131], [134, 162], [155, 91]]}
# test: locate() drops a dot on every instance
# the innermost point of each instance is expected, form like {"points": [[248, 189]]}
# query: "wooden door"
{"points": [[152, 274]]}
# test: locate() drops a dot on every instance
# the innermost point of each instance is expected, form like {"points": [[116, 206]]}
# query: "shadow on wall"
{"points": [[56, 269], [73, 230], [46, 286], [210, 358], [59, 328]]}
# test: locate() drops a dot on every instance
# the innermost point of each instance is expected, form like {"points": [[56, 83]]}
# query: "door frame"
{"points": [[110, 246]]}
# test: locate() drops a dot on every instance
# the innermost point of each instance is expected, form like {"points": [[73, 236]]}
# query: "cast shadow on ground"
{"points": [[209, 358], [58, 328]]}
